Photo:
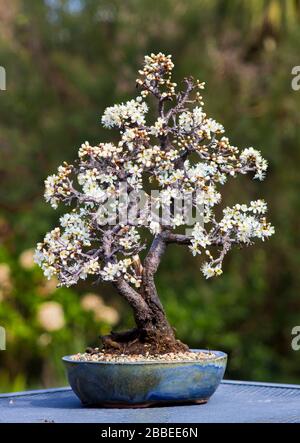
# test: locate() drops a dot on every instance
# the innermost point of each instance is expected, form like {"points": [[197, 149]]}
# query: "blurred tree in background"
{"points": [[66, 60]]}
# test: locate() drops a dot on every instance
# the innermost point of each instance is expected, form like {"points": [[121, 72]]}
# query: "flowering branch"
{"points": [[182, 151]]}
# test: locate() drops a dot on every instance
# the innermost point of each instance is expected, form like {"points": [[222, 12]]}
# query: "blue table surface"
{"points": [[233, 402]]}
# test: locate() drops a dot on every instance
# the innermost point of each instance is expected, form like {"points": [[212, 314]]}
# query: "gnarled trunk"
{"points": [[153, 333]]}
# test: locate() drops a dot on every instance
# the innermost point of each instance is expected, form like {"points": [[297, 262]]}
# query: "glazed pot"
{"points": [[141, 384]]}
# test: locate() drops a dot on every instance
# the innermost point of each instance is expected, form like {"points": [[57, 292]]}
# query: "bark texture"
{"points": [[153, 333]]}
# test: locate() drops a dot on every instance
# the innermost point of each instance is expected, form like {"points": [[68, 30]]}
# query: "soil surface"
{"points": [[132, 342], [122, 358]]}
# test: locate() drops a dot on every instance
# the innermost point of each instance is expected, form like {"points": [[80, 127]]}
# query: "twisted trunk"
{"points": [[153, 333]]}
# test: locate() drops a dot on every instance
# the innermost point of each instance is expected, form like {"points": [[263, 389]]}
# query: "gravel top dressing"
{"points": [[122, 358]]}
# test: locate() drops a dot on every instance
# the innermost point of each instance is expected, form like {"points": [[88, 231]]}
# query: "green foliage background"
{"points": [[66, 60]]}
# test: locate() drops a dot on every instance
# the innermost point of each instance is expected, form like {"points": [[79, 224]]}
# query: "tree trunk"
{"points": [[153, 333]]}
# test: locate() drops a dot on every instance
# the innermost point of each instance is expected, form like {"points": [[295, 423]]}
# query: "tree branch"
{"points": [[135, 300], [150, 267], [180, 239], [154, 255], [183, 97]]}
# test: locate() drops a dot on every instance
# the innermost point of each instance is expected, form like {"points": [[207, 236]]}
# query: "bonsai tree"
{"points": [[181, 153]]}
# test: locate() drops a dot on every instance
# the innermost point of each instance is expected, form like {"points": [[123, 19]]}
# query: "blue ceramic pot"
{"points": [[135, 384]]}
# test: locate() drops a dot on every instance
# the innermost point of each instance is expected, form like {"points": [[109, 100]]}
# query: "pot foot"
{"points": [[118, 405], [145, 405]]}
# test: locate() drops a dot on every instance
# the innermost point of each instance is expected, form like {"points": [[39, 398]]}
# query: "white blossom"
{"points": [[181, 152], [158, 128], [130, 239], [200, 239], [253, 157], [178, 220], [132, 111], [111, 271], [209, 270], [258, 207], [208, 197], [211, 126], [154, 227], [244, 222]]}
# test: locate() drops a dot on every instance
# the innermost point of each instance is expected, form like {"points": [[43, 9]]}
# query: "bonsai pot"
{"points": [[144, 383]]}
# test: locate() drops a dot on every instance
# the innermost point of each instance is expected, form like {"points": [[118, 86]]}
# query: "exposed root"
{"points": [[134, 342]]}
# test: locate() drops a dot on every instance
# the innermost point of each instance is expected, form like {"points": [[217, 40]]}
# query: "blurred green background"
{"points": [[66, 60]]}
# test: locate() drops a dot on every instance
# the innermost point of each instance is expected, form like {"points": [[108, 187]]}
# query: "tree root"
{"points": [[134, 342]]}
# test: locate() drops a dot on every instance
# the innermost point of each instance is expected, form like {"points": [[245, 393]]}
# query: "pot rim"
{"points": [[219, 356]]}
